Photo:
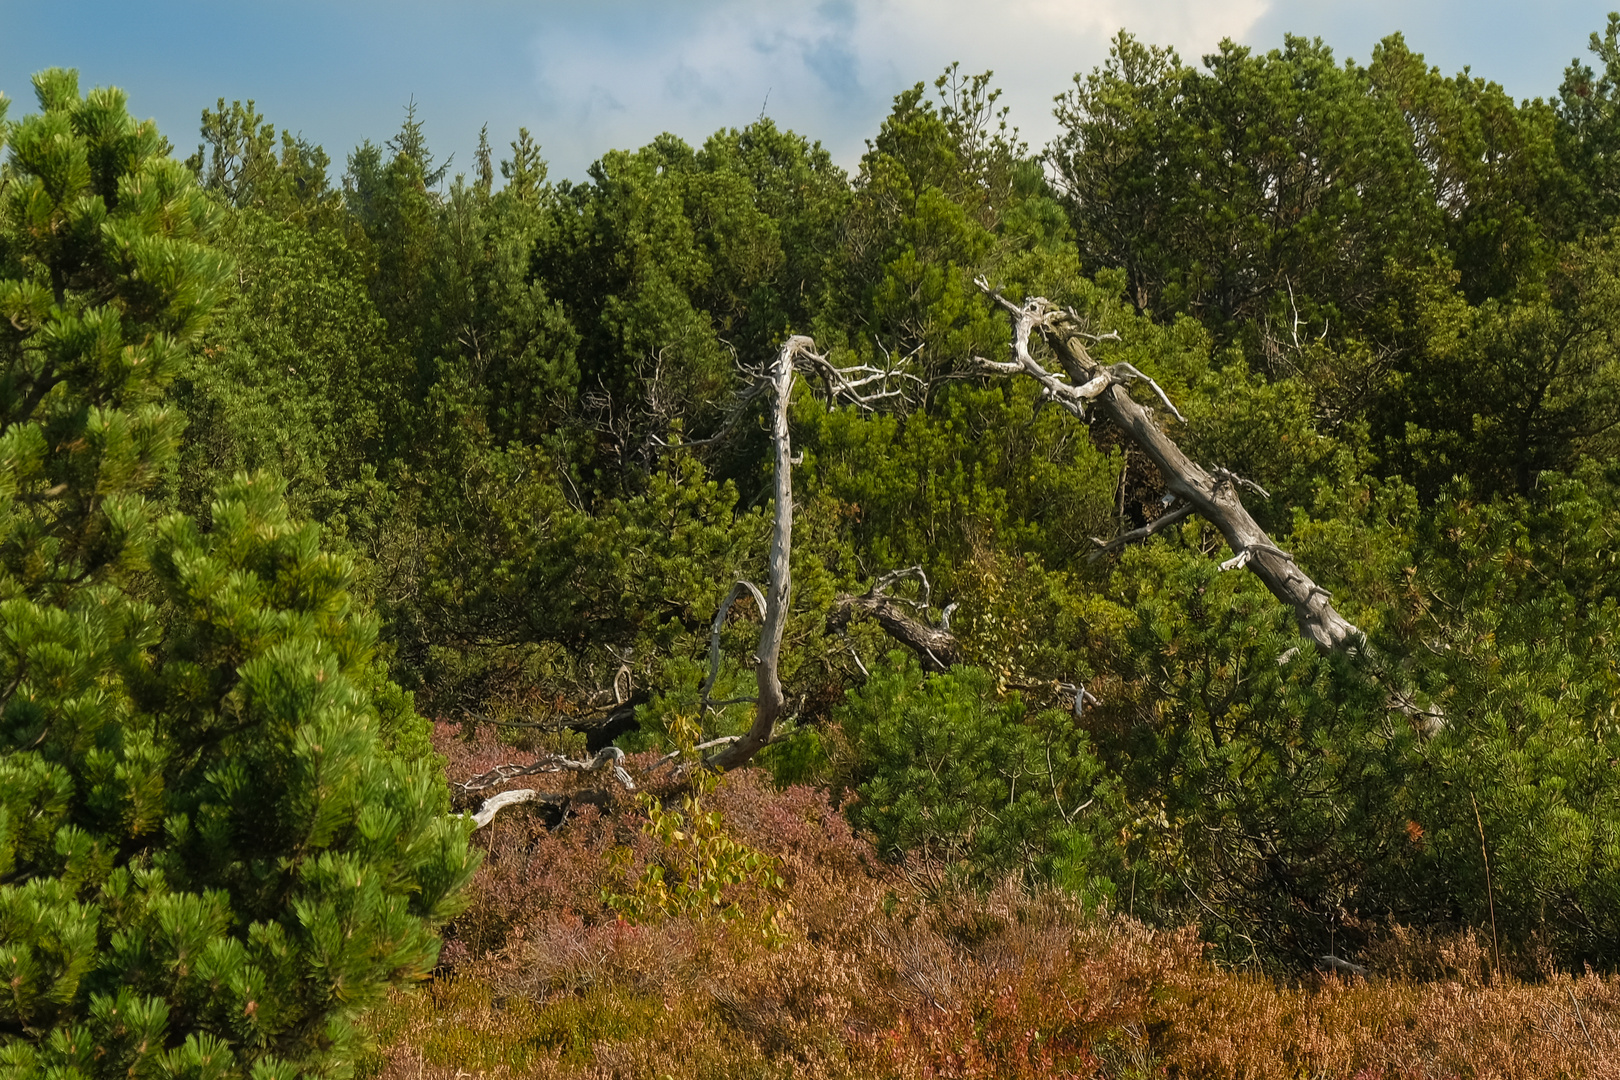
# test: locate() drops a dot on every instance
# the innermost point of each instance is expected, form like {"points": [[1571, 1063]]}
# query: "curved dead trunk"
{"points": [[858, 385], [779, 587]]}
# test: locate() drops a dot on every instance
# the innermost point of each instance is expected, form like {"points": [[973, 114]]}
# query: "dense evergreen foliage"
{"points": [[1385, 296], [221, 833]]}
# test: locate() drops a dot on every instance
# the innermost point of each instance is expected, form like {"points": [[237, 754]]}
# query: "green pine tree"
{"points": [[208, 862]]}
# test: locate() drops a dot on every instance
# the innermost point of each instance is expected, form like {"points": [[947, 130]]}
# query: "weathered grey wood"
{"points": [[861, 386], [1214, 497], [779, 587], [936, 647], [610, 758]]}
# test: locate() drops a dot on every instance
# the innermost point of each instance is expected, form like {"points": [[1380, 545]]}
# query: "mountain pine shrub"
{"points": [[945, 770], [210, 862]]}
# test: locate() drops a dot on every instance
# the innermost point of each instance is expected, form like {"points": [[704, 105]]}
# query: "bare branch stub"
{"points": [[1082, 697], [1227, 476], [675, 755], [881, 586], [1163, 521], [610, 757], [935, 646], [1213, 496]]}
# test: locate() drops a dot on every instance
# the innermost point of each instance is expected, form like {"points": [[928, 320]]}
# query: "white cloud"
{"points": [[616, 74]]}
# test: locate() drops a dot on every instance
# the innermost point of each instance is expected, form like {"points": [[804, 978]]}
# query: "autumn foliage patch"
{"points": [[877, 969]]}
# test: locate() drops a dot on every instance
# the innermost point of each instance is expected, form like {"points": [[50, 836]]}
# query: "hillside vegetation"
{"points": [[1183, 622]]}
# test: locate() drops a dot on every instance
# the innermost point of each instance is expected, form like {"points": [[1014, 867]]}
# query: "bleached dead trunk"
{"points": [[1211, 494], [779, 587], [851, 385]]}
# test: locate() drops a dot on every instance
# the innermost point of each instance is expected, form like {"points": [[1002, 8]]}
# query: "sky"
{"points": [[586, 77]]}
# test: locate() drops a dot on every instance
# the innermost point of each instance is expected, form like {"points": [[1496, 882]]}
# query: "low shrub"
{"points": [[944, 769], [886, 970]]}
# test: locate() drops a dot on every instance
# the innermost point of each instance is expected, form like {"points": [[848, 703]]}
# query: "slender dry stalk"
{"points": [[1490, 900]]}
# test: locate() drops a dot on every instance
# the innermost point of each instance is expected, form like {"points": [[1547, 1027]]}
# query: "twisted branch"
{"points": [[608, 756], [1212, 495]]}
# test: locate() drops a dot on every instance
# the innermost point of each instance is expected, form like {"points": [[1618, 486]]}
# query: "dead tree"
{"points": [[1212, 494], [862, 386]]}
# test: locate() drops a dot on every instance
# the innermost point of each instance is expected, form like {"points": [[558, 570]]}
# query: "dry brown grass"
{"points": [[886, 975]]}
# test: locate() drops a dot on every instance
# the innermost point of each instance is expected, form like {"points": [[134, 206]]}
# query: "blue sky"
{"points": [[585, 77]]}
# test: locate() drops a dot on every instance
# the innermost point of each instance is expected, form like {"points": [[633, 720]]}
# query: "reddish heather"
{"points": [[888, 973]]}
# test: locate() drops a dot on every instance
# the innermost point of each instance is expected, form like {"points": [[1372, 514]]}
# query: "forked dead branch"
{"points": [[609, 758], [1213, 494], [862, 386]]}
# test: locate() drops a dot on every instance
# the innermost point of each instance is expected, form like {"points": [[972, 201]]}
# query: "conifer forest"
{"points": [[1145, 605]]}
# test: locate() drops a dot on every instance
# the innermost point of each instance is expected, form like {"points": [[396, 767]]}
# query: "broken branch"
{"points": [[1214, 497], [1163, 521], [551, 763], [496, 803], [936, 647]]}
